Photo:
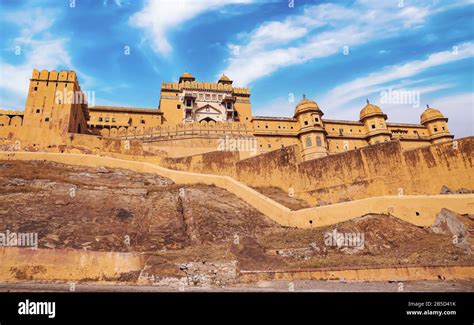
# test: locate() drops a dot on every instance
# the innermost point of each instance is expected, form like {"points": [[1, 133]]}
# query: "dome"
{"points": [[224, 79], [430, 114], [306, 105], [186, 76], [370, 110]]}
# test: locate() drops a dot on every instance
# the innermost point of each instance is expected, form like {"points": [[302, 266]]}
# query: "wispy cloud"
{"points": [[158, 17], [45, 52], [319, 31], [37, 48], [392, 75]]}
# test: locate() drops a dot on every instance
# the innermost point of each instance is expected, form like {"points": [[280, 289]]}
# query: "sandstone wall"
{"points": [[42, 139], [381, 169], [420, 210]]}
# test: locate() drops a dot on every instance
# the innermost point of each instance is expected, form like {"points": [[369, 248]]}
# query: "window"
{"points": [[350, 130], [107, 119], [308, 142], [436, 129], [46, 119], [373, 126], [305, 122], [100, 119], [318, 142], [208, 96], [269, 145], [178, 106], [214, 97], [38, 111], [316, 119], [36, 88], [142, 121], [266, 126], [444, 128], [188, 103], [113, 119]]}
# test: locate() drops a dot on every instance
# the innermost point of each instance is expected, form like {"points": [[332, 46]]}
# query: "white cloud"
{"points": [[42, 55], [46, 52], [159, 17], [320, 31], [380, 80]]}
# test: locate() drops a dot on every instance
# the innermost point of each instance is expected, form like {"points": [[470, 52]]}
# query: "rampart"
{"points": [[417, 209], [381, 169]]}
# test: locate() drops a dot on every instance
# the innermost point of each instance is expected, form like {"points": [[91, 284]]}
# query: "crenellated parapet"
{"points": [[204, 86], [53, 75]]}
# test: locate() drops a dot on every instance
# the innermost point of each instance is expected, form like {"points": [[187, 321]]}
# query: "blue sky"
{"points": [[336, 52]]}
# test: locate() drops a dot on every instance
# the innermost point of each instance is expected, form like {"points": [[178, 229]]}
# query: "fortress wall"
{"points": [[20, 264], [42, 139], [216, 162], [385, 169], [194, 145], [419, 210], [381, 169], [450, 163], [278, 168]]}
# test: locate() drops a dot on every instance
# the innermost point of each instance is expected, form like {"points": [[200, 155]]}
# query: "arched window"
{"points": [[318, 142], [308, 142]]}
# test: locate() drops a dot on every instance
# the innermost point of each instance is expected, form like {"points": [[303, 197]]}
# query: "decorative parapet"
{"points": [[204, 86]]}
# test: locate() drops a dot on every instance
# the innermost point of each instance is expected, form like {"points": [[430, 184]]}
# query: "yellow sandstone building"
{"points": [[191, 114]]}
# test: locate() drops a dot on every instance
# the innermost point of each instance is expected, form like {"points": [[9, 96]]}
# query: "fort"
{"points": [[208, 128], [192, 116], [183, 180]]}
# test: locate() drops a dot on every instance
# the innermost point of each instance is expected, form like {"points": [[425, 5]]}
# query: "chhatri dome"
{"points": [[186, 76], [224, 79], [431, 114], [370, 110], [306, 105]]}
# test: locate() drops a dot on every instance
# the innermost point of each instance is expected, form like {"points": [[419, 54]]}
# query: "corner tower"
{"points": [[55, 101], [312, 134], [374, 122], [436, 124]]}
